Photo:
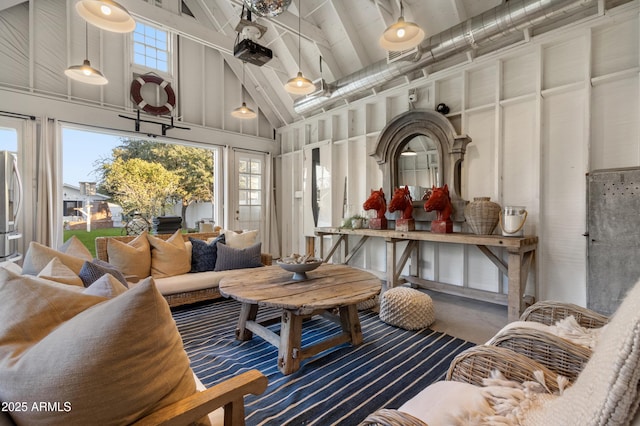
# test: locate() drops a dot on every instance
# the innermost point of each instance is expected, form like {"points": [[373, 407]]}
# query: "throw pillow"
{"points": [[74, 247], [106, 286], [170, 257], [11, 266], [102, 361], [204, 254], [93, 270], [59, 272], [133, 258], [230, 258], [240, 240], [38, 256]]}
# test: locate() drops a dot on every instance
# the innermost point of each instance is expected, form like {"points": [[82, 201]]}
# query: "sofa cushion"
{"points": [[240, 240], [103, 361], [95, 269], [38, 256], [59, 272], [170, 257], [204, 254], [133, 258], [106, 286], [74, 247], [188, 282], [448, 403], [231, 258]]}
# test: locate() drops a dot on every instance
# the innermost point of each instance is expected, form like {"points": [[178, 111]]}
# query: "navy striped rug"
{"points": [[340, 386]]}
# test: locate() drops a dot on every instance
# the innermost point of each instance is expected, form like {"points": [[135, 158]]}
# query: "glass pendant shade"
{"points": [[106, 14], [243, 112], [299, 85], [85, 73]]}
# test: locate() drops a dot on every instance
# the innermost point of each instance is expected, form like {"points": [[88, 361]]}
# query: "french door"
{"points": [[249, 211]]}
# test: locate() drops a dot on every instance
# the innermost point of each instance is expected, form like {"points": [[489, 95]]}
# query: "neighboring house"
{"points": [[74, 208]]}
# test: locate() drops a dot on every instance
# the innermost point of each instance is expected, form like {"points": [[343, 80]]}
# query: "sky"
{"points": [[80, 151]]}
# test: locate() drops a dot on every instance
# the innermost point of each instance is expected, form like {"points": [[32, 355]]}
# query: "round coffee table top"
{"points": [[328, 286]]}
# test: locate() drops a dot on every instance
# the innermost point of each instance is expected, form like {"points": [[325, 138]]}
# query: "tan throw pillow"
{"points": [[106, 286], [38, 256], [74, 247], [170, 257], [133, 258], [59, 272], [102, 361], [240, 240]]}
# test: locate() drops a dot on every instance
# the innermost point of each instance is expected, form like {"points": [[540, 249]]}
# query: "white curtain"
{"points": [[48, 212], [271, 234]]}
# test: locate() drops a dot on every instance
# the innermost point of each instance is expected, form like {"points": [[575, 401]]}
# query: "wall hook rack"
{"points": [[165, 126]]}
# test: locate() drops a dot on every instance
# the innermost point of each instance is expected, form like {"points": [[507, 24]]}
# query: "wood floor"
{"points": [[468, 319]]}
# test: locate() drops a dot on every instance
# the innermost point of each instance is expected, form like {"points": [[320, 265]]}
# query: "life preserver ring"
{"points": [[136, 87]]}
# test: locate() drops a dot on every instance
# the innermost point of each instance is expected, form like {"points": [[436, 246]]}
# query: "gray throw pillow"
{"points": [[91, 271], [203, 254], [230, 258]]}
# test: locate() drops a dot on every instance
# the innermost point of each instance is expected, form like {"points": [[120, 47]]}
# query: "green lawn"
{"points": [[88, 238]]}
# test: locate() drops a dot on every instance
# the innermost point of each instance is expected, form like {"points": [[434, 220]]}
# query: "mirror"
{"points": [[418, 165], [438, 160]]}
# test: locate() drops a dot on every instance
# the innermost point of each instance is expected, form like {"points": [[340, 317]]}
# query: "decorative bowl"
{"points": [[300, 269]]}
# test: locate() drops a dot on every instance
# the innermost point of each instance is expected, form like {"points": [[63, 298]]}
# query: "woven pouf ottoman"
{"points": [[406, 308]]}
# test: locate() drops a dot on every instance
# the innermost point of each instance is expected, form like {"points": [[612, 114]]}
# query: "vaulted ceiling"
{"points": [[344, 33], [339, 39]]}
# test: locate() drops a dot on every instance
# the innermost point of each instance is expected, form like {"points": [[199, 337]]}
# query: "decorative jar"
{"points": [[482, 215]]}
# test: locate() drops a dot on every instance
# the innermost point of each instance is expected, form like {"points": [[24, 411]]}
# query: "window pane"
{"points": [[255, 167], [255, 182], [242, 166], [255, 198], [161, 45], [243, 198], [242, 182], [161, 36], [162, 56], [162, 66]]}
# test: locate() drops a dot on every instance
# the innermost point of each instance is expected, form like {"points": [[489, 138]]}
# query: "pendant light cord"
{"points": [[86, 40], [299, 36]]}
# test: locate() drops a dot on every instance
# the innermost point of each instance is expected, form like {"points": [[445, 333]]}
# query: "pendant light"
{"points": [[106, 14], [408, 152], [85, 73], [402, 35], [243, 111], [299, 85]]}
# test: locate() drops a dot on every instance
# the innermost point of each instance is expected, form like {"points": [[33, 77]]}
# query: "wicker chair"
{"points": [[605, 392], [558, 354]]}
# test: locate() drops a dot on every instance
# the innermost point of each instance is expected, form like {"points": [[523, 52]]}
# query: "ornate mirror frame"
{"points": [[451, 149]]}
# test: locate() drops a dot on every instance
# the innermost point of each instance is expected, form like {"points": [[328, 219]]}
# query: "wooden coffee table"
{"points": [[331, 290]]}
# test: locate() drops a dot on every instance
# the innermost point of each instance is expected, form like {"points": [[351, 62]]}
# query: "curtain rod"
{"points": [[17, 115]]}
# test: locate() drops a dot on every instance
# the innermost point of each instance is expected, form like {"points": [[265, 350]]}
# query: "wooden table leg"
{"points": [[289, 351], [248, 312], [350, 322]]}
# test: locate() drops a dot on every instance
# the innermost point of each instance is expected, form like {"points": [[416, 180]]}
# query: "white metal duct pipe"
{"points": [[481, 30]]}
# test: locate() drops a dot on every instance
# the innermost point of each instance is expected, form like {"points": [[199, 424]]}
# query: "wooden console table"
{"points": [[520, 255]]}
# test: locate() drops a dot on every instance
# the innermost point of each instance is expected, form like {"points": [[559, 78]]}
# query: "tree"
{"points": [[140, 185], [192, 166]]}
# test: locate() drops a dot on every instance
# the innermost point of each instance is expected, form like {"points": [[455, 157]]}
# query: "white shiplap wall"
{"points": [[541, 115]]}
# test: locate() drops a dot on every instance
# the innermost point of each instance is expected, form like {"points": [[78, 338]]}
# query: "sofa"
{"points": [[184, 287], [101, 354]]}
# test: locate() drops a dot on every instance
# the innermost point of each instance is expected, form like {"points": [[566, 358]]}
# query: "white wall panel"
{"points": [[213, 91], [480, 158], [615, 47], [481, 86], [518, 75], [519, 160], [615, 138], [481, 273], [192, 74], [49, 51], [562, 254], [14, 43], [565, 63]]}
